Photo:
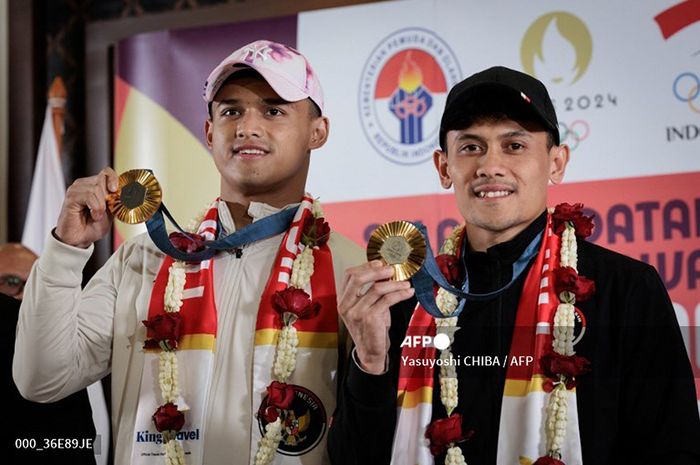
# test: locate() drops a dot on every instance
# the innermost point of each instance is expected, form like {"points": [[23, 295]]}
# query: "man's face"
{"points": [[260, 142], [15, 265], [500, 170]]}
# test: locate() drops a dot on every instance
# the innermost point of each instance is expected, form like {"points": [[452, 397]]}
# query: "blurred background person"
{"points": [[15, 264], [33, 426]]}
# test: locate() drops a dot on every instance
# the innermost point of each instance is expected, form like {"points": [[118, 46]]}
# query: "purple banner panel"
{"points": [[171, 67]]}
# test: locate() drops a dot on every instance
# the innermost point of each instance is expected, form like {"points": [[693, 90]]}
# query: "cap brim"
{"points": [[501, 93], [279, 83]]}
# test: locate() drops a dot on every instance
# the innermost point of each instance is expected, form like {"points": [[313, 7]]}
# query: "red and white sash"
{"points": [[521, 433], [316, 357]]}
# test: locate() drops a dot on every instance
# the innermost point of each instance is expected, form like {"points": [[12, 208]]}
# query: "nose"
{"points": [[490, 165], [249, 125]]}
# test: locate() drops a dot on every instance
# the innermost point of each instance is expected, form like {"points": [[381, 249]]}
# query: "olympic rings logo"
{"points": [[686, 88], [411, 106], [573, 134]]}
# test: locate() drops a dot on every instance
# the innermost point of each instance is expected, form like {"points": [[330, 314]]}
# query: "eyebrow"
{"points": [[518, 133]]}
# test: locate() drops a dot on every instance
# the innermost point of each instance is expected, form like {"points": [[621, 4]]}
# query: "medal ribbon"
{"points": [[430, 273], [261, 229]]}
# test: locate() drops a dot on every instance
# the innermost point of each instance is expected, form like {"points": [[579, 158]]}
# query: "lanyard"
{"points": [[430, 273], [261, 229]]}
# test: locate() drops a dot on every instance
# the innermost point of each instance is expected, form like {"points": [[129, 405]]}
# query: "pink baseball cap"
{"points": [[286, 70]]}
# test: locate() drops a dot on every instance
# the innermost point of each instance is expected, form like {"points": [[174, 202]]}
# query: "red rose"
{"points": [[168, 418], [444, 432], [188, 243], [295, 301], [280, 395], [271, 414], [451, 268], [548, 385], [583, 226], [564, 212], [315, 232], [163, 328], [547, 460], [566, 279], [571, 366]]}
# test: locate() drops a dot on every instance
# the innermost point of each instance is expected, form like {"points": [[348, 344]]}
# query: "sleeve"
{"points": [[658, 401], [362, 428], [64, 334]]}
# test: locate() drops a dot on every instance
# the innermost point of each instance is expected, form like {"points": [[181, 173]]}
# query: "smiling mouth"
{"points": [[249, 152], [493, 194]]}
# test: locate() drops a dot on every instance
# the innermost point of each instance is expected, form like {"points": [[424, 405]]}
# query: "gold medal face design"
{"points": [[399, 244], [137, 198]]}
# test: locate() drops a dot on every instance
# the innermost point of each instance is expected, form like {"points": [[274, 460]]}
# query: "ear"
{"points": [[559, 158], [208, 132], [319, 132], [440, 161]]}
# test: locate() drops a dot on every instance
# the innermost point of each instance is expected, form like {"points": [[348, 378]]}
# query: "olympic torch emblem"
{"points": [[410, 101]]}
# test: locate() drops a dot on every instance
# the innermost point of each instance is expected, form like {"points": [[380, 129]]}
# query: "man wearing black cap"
{"points": [[575, 355]]}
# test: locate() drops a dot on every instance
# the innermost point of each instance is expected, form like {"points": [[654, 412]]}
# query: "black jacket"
{"points": [[638, 405]]}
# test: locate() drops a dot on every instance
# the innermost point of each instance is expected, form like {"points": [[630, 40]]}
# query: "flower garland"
{"points": [[170, 417], [292, 303], [561, 366], [444, 434]]}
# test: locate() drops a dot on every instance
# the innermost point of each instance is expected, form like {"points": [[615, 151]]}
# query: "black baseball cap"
{"points": [[502, 89]]}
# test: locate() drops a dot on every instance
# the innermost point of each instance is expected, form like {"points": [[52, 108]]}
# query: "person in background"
{"points": [[15, 264], [32, 425]]}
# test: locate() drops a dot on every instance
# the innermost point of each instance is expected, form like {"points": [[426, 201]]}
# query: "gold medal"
{"points": [[399, 244], [138, 197]]}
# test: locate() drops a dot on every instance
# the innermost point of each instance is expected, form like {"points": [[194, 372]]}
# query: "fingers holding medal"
{"points": [[395, 252]]}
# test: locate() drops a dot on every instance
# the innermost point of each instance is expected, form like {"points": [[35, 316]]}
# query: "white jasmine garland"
{"points": [[168, 376], [449, 384], [556, 417], [556, 412], [450, 245], [302, 269], [317, 210], [285, 353], [168, 372], [174, 454], [268, 444], [455, 457], [287, 342], [446, 301], [175, 287]]}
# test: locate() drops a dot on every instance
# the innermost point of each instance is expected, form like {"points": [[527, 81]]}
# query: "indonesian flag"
{"points": [[48, 186]]}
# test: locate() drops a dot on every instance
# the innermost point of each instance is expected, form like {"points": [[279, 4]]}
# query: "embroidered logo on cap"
{"points": [[254, 52]]}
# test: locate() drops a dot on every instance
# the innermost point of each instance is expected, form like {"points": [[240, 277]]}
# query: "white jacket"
{"points": [[68, 338]]}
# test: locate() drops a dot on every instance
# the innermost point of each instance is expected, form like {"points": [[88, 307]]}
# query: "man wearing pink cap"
{"points": [[230, 359]]}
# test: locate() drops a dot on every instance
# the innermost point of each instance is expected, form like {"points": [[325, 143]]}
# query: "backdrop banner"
{"points": [[625, 83]]}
